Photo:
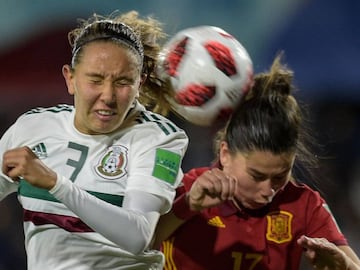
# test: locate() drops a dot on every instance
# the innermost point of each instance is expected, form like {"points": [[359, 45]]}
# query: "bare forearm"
{"points": [[353, 259]]}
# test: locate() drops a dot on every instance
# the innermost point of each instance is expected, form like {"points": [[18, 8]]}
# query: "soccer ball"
{"points": [[209, 70]]}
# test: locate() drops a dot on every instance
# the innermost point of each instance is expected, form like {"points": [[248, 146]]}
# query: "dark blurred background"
{"points": [[320, 39]]}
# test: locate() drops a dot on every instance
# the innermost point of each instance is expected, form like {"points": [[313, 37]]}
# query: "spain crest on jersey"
{"points": [[279, 226], [113, 163]]}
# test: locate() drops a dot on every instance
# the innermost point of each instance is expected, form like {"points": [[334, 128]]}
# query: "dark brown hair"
{"points": [[269, 118]]}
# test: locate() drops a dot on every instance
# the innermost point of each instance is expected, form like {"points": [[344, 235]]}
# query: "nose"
{"points": [[108, 93], [268, 191]]}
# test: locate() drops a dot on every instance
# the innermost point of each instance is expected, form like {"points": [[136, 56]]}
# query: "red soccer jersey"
{"points": [[226, 238]]}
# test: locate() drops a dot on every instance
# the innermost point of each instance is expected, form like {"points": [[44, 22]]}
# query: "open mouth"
{"points": [[105, 112], [105, 115]]}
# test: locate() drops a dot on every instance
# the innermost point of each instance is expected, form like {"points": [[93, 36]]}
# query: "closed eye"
{"points": [[123, 82], [258, 177], [96, 81], [95, 78]]}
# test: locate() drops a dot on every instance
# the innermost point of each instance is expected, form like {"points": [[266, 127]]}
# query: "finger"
{"points": [[218, 185], [228, 184], [233, 187], [13, 172], [215, 184], [227, 187], [15, 162], [206, 185], [9, 163], [200, 186]]}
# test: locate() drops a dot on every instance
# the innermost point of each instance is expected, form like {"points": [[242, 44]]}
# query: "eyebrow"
{"points": [[98, 75], [93, 74], [254, 171]]}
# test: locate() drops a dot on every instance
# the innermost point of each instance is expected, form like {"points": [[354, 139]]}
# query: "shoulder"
{"points": [[149, 125], [158, 122], [300, 187], [38, 123], [42, 118], [303, 193], [60, 108], [147, 133], [38, 112]]}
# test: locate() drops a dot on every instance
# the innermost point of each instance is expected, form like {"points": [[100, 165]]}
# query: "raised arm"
{"points": [[323, 254], [209, 189]]}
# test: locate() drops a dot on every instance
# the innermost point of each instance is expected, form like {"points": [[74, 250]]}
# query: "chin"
{"points": [[105, 128], [100, 130], [254, 205]]}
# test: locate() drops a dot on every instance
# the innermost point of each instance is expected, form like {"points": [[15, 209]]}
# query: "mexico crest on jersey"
{"points": [[112, 164], [279, 227]]}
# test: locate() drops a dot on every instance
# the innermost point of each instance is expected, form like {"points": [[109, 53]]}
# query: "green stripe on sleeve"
{"points": [[27, 190]]}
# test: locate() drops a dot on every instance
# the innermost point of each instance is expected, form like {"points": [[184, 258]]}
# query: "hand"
{"points": [[210, 189], [23, 163], [323, 255]]}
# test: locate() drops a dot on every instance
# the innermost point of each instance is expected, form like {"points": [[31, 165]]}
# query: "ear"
{"points": [[225, 154], [68, 76]]}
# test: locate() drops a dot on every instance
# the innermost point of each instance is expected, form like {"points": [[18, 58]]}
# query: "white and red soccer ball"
{"points": [[209, 70]]}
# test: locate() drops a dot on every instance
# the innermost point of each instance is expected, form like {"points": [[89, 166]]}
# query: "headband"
{"points": [[108, 29]]}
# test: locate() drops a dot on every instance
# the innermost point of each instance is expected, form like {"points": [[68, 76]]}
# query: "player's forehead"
{"points": [[267, 162], [102, 56]]}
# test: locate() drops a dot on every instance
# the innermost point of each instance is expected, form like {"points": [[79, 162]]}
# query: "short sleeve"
{"points": [[321, 222], [155, 159]]}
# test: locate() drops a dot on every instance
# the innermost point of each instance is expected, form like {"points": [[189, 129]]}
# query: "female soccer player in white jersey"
{"points": [[94, 178]]}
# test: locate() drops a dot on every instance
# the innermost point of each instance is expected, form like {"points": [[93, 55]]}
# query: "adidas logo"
{"points": [[40, 150], [216, 222]]}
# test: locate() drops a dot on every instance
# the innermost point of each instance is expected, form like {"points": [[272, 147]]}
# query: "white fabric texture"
{"points": [[117, 184]]}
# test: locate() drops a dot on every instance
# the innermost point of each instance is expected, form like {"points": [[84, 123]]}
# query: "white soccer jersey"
{"points": [[144, 156]]}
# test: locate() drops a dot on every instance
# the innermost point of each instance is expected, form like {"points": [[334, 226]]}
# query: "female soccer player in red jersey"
{"points": [[247, 211]]}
